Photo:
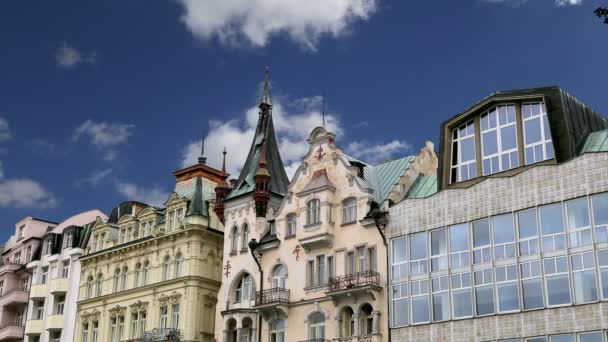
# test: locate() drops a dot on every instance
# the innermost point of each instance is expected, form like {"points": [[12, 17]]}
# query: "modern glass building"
{"points": [[509, 241]]}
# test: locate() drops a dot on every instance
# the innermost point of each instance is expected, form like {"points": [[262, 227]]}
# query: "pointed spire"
{"points": [[266, 101], [262, 170], [202, 159], [224, 161]]}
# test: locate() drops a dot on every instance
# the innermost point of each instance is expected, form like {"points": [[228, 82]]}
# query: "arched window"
{"points": [[234, 239], [167, 268], [313, 211], [125, 278], [146, 276], [349, 324], [99, 284], [137, 281], [245, 238], [277, 330], [316, 326], [90, 285], [279, 275], [243, 289], [367, 322], [349, 210], [117, 280], [179, 261], [291, 225]]}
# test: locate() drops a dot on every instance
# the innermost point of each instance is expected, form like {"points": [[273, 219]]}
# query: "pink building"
{"points": [[14, 277]]}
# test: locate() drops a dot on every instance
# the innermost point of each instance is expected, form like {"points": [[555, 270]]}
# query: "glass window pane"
{"points": [[508, 297], [578, 213], [508, 138], [420, 309], [490, 143], [481, 233], [585, 288], [537, 339], [604, 276], [503, 228], [399, 254], [485, 300], [532, 131], [595, 336], [600, 209], [418, 246], [467, 149], [551, 218], [527, 223], [563, 338], [462, 303], [400, 312], [441, 306], [459, 238], [533, 293], [558, 288], [439, 243]]}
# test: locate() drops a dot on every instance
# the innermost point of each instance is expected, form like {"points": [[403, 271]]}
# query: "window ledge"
{"points": [[243, 250], [312, 225], [348, 223], [232, 253], [287, 237]]}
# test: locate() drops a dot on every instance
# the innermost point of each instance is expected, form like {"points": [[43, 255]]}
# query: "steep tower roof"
{"points": [[264, 138]]}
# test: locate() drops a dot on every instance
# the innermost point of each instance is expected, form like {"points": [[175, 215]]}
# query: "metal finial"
{"points": [[202, 159]]}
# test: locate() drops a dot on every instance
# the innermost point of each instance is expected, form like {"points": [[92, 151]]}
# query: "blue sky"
{"points": [[101, 101]]}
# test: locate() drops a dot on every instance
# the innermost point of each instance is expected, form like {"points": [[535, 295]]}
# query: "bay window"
{"points": [[552, 227], [420, 301], [462, 299], [579, 223], [349, 210], [484, 292], [499, 139], [504, 237], [532, 285], [313, 211], [557, 281], [464, 165], [537, 135], [584, 280], [418, 253], [528, 232], [481, 242]]}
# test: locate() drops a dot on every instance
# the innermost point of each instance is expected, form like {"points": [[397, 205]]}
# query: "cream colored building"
{"points": [[320, 270], [153, 273]]}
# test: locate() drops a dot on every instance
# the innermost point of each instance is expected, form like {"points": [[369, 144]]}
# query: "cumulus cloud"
{"points": [[376, 153], [254, 22], [293, 122], [104, 135], [154, 195], [25, 193], [67, 56], [5, 133]]}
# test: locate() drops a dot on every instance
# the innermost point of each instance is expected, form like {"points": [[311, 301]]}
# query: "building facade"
{"points": [[510, 241], [152, 274], [55, 269], [15, 279]]}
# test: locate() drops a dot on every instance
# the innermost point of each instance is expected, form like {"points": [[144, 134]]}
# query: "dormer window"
{"points": [[69, 241], [313, 211], [499, 140], [464, 166], [48, 246], [21, 232], [537, 135]]}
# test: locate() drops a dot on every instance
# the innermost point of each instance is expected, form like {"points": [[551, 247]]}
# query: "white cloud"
{"points": [[104, 135], [568, 2], [254, 22], [293, 123], [516, 3], [96, 177], [5, 133], [154, 196], [376, 153], [25, 193], [67, 56]]}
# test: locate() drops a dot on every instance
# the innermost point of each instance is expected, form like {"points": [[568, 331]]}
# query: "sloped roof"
{"points": [[596, 142], [319, 180], [382, 178], [198, 193], [424, 186]]}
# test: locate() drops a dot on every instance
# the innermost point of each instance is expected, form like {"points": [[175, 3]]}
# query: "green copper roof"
{"points": [[596, 142], [424, 186], [198, 193], [266, 93]]}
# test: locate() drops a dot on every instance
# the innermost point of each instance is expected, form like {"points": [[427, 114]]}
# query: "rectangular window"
{"points": [[484, 292], [595, 336], [528, 232], [507, 288], [557, 281], [113, 330], [163, 317], [142, 323], [60, 300], [462, 299], [85, 332], [371, 259], [291, 225], [464, 166], [400, 310], [29, 254], [602, 260], [504, 237], [459, 246], [121, 328], [563, 338], [552, 227], [349, 211], [499, 140], [65, 269], [134, 319], [398, 258], [420, 301], [481, 242], [330, 268], [441, 298], [320, 276], [537, 135], [310, 270], [175, 316], [532, 285], [418, 253], [579, 222], [583, 274], [361, 259], [95, 334], [350, 263], [600, 216], [44, 275], [439, 249], [39, 314]]}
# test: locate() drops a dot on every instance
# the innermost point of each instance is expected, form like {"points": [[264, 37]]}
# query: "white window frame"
{"points": [[543, 134], [499, 126], [313, 211], [399, 269], [548, 275], [530, 240], [526, 274], [459, 163], [485, 282], [420, 289], [349, 210], [484, 250], [292, 222], [403, 294], [576, 234], [577, 262], [507, 281], [442, 258], [419, 266], [442, 288], [459, 289]]}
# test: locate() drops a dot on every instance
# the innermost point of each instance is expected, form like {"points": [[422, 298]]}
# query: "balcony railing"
{"points": [[316, 340], [270, 296], [162, 334], [354, 280]]}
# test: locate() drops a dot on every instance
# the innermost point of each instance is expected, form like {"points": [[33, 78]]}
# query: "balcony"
{"points": [[39, 291], [361, 283], [370, 338], [162, 335], [10, 267], [11, 331], [315, 236], [272, 301], [55, 322], [316, 340], [34, 327], [59, 285], [14, 297]]}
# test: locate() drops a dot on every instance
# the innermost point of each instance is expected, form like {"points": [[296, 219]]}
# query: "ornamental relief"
{"points": [[173, 298], [117, 310], [90, 316], [139, 306]]}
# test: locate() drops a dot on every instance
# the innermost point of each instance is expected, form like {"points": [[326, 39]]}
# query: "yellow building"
{"points": [[153, 273]]}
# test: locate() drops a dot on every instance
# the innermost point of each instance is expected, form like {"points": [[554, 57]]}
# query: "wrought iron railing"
{"points": [[354, 280], [162, 334], [274, 295], [316, 340]]}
